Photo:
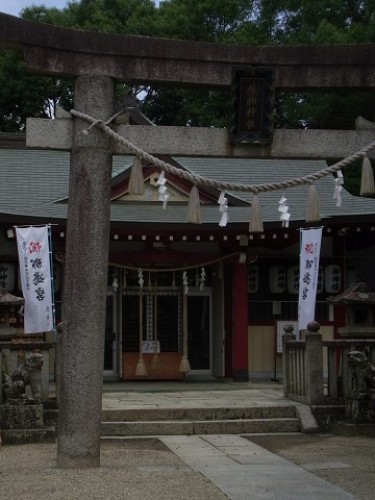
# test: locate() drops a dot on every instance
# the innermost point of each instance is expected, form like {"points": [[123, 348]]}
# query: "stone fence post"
{"points": [[288, 335], [314, 365]]}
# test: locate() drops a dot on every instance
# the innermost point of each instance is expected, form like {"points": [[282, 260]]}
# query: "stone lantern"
{"points": [[359, 302], [8, 317]]}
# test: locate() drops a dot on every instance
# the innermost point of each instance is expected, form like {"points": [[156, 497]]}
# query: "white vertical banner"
{"points": [[308, 278], [35, 273]]}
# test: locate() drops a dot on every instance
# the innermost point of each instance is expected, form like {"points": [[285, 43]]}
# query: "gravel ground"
{"points": [[347, 462], [131, 469], [145, 469]]}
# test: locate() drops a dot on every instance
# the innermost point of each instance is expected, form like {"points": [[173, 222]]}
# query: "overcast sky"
{"points": [[14, 7]]}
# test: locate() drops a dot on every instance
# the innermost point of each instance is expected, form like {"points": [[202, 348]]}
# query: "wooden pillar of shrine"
{"points": [[240, 366]]}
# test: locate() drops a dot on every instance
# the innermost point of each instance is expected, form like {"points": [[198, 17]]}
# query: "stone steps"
{"points": [[185, 427], [187, 421], [218, 413], [149, 421]]}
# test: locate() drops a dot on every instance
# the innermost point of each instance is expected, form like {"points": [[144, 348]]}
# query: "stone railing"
{"points": [[305, 378], [13, 353]]}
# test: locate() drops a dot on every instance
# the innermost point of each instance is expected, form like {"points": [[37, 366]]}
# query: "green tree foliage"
{"points": [[208, 20], [112, 16], [23, 95], [320, 22], [181, 107], [252, 22], [47, 15], [216, 21]]}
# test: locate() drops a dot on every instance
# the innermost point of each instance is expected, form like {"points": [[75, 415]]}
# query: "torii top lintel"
{"points": [[60, 51]]}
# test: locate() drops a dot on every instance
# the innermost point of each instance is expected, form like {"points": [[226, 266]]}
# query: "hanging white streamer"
{"points": [[284, 211], [115, 283], [202, 279], [339, 181], [185, 282], [141, 280], [162, 190], [223, 208]]}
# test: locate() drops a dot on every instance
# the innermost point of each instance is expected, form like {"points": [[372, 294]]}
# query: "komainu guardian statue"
{"points": [[363, 375], [27, 374]]}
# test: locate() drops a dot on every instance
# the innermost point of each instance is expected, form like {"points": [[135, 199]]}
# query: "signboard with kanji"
{"points": [[253, 94]]}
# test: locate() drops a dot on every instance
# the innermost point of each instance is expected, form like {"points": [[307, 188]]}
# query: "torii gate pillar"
{"points": [[81, 343]]}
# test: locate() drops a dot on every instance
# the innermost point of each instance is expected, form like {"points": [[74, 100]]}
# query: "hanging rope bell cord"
{"points": [[155, 359], [141, 369], [185, 365]]}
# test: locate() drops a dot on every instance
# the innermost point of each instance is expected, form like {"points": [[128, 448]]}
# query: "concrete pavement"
{"points": [[243, 470], [239, 468]]}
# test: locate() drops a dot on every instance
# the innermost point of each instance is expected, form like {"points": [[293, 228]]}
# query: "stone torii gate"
{"points": [[96, 61]]}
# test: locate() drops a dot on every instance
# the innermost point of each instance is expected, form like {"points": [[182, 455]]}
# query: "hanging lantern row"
{"points": [[8, 277], [286, 279]]}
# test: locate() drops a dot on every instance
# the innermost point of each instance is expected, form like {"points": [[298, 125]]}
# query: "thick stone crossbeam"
{"points": [[135, 59], [210, 142]]}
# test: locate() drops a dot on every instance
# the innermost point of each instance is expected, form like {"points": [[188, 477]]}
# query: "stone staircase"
{"points": [[187, 421]]}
